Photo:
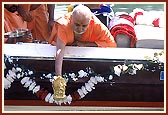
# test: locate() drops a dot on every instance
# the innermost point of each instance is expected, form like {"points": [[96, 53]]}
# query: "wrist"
{"points": [[51, 21]]}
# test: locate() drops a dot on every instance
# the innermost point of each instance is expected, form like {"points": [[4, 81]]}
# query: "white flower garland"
{"points": [[32, 85], [27, 82]]}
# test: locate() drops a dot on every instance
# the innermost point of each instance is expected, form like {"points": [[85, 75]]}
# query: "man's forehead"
{"points": [[81, 11], [81, 20]]}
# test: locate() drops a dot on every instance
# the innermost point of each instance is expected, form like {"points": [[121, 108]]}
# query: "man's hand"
{"points": [[81, 44], [25, 14], [50, 25], [84, 44]]}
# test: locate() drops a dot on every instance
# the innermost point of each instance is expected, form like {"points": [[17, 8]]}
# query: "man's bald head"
{"points": [[81, 16], [82, 12]]}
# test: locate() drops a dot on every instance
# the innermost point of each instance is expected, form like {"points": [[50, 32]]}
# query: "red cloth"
{"points": [[156, 22], [127, 17], [125, 29], [136, 14]]}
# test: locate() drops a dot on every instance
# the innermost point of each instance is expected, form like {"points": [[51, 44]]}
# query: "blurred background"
{"points": [[62, 8]]}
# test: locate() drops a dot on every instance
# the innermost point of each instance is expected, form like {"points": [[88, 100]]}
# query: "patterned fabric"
{"points": [[124, 24]]}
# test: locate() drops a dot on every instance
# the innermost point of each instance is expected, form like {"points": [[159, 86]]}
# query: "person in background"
{"points": [[78, 28], [71, 7], [122, 29], [13, 20], [102, 12], [43, 20], [39, 18]]}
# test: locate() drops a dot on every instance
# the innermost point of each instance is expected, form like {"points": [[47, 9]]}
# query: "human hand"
{"points": [[85, 44], [78, 43], [50, 25], [25, 14]]}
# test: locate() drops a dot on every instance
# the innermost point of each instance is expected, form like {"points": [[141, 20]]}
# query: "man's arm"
{"points": [[51, 8], [51, 21], [60, 48], [24, 13]]}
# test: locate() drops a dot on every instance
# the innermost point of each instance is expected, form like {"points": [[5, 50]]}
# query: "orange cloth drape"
{"points": [[39, 25], [96, 32], [13, 21]]}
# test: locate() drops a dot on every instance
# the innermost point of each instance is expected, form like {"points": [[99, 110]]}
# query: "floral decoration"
{"points": [[16, 71]]}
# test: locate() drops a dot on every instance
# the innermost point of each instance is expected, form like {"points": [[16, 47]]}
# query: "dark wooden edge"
{"points": [[85, 103]]}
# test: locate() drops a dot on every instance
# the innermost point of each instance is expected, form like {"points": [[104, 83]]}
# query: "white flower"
{"points": [[117, 70], [139, 66], [14, 70], [55, 77], [84, 90], [51, 80], [89, 70], [99, 79], [27, 84], [18, 69], [51, 99], [75, 79], [18, 75], [12, 74], [91, 83], [110, 77], [47, 97], [24, 80], [124, 67], [30, 72], [7, 84], [72, 75], [9, 78], [22, 74], [25, 73], [133, 72], [68, 99], [155, 59], [87, 86], [37, 88], [92, 79], [161, 58], [80, 93], [49, 75], [32, 86], [10, 60], [59, 102], [82, 74]]}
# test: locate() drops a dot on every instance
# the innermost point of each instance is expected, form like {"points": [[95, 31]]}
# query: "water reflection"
{"points": [[129, 7], [62, 8]]}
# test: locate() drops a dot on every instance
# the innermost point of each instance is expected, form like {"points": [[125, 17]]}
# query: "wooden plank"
{"points": [[79, 109], [43, 51]]}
